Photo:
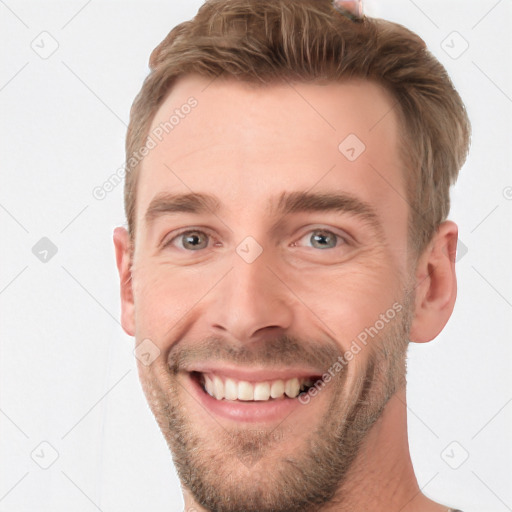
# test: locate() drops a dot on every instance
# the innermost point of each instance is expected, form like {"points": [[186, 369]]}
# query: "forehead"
{"points": [[247, 143]]}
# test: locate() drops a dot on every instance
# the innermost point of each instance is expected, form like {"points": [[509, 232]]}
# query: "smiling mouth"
{"points": [[229, 389]]}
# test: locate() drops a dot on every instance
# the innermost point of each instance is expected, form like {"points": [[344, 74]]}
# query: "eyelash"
{"points": [[344, 239]]}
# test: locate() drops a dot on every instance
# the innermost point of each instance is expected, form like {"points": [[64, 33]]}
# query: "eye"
{"points": [[322, 239], [193, 240]]}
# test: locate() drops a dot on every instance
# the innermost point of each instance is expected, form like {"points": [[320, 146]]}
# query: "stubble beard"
{"points": [[235, 471]]}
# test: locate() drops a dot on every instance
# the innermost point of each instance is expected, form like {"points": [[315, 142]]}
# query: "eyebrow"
{"points": [[288, 203], [298, 202], [181, 203]]}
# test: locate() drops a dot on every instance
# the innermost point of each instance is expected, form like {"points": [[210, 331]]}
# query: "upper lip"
{"points": [[253, 374]]}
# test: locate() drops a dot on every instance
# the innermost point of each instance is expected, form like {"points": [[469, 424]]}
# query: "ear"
{"points": [[436, 284], [123, 247]]}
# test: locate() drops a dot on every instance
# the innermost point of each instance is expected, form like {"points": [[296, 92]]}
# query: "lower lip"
{"points": [[239, 411]]}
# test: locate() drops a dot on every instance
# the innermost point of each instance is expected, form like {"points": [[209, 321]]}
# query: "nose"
{"points": [[251, 302]]}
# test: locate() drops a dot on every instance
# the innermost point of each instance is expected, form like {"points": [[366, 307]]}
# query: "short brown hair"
{"points": [[269, 41]]}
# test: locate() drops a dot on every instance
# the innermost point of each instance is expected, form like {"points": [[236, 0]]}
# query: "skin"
{"points": [[245, 145]]}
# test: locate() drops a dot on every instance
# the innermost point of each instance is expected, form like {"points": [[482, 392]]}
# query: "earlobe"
{"points": [[436, 285], [123, 248]]}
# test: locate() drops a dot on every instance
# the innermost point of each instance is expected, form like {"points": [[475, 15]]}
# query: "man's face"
{"points": [[255, 294]]}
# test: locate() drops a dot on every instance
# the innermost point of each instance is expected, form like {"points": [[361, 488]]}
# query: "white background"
{"points": [[67, 371]]}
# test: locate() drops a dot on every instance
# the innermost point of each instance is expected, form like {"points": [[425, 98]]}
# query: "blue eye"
{"points": [[323, 239]]}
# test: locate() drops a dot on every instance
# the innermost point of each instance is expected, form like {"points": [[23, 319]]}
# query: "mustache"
{"points": [[284, 350]]}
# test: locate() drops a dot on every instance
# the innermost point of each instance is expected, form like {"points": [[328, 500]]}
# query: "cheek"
{"points": [[348, 300], [157, 303], [165, 295]]}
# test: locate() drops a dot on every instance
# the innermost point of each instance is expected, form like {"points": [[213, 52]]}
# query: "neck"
{"points": [[382, 476]]}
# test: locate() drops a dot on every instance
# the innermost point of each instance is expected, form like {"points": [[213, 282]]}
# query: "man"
{"points": [[288, 188]]}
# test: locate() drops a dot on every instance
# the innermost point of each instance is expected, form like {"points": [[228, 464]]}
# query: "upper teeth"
{"points": [[242, 390]]}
